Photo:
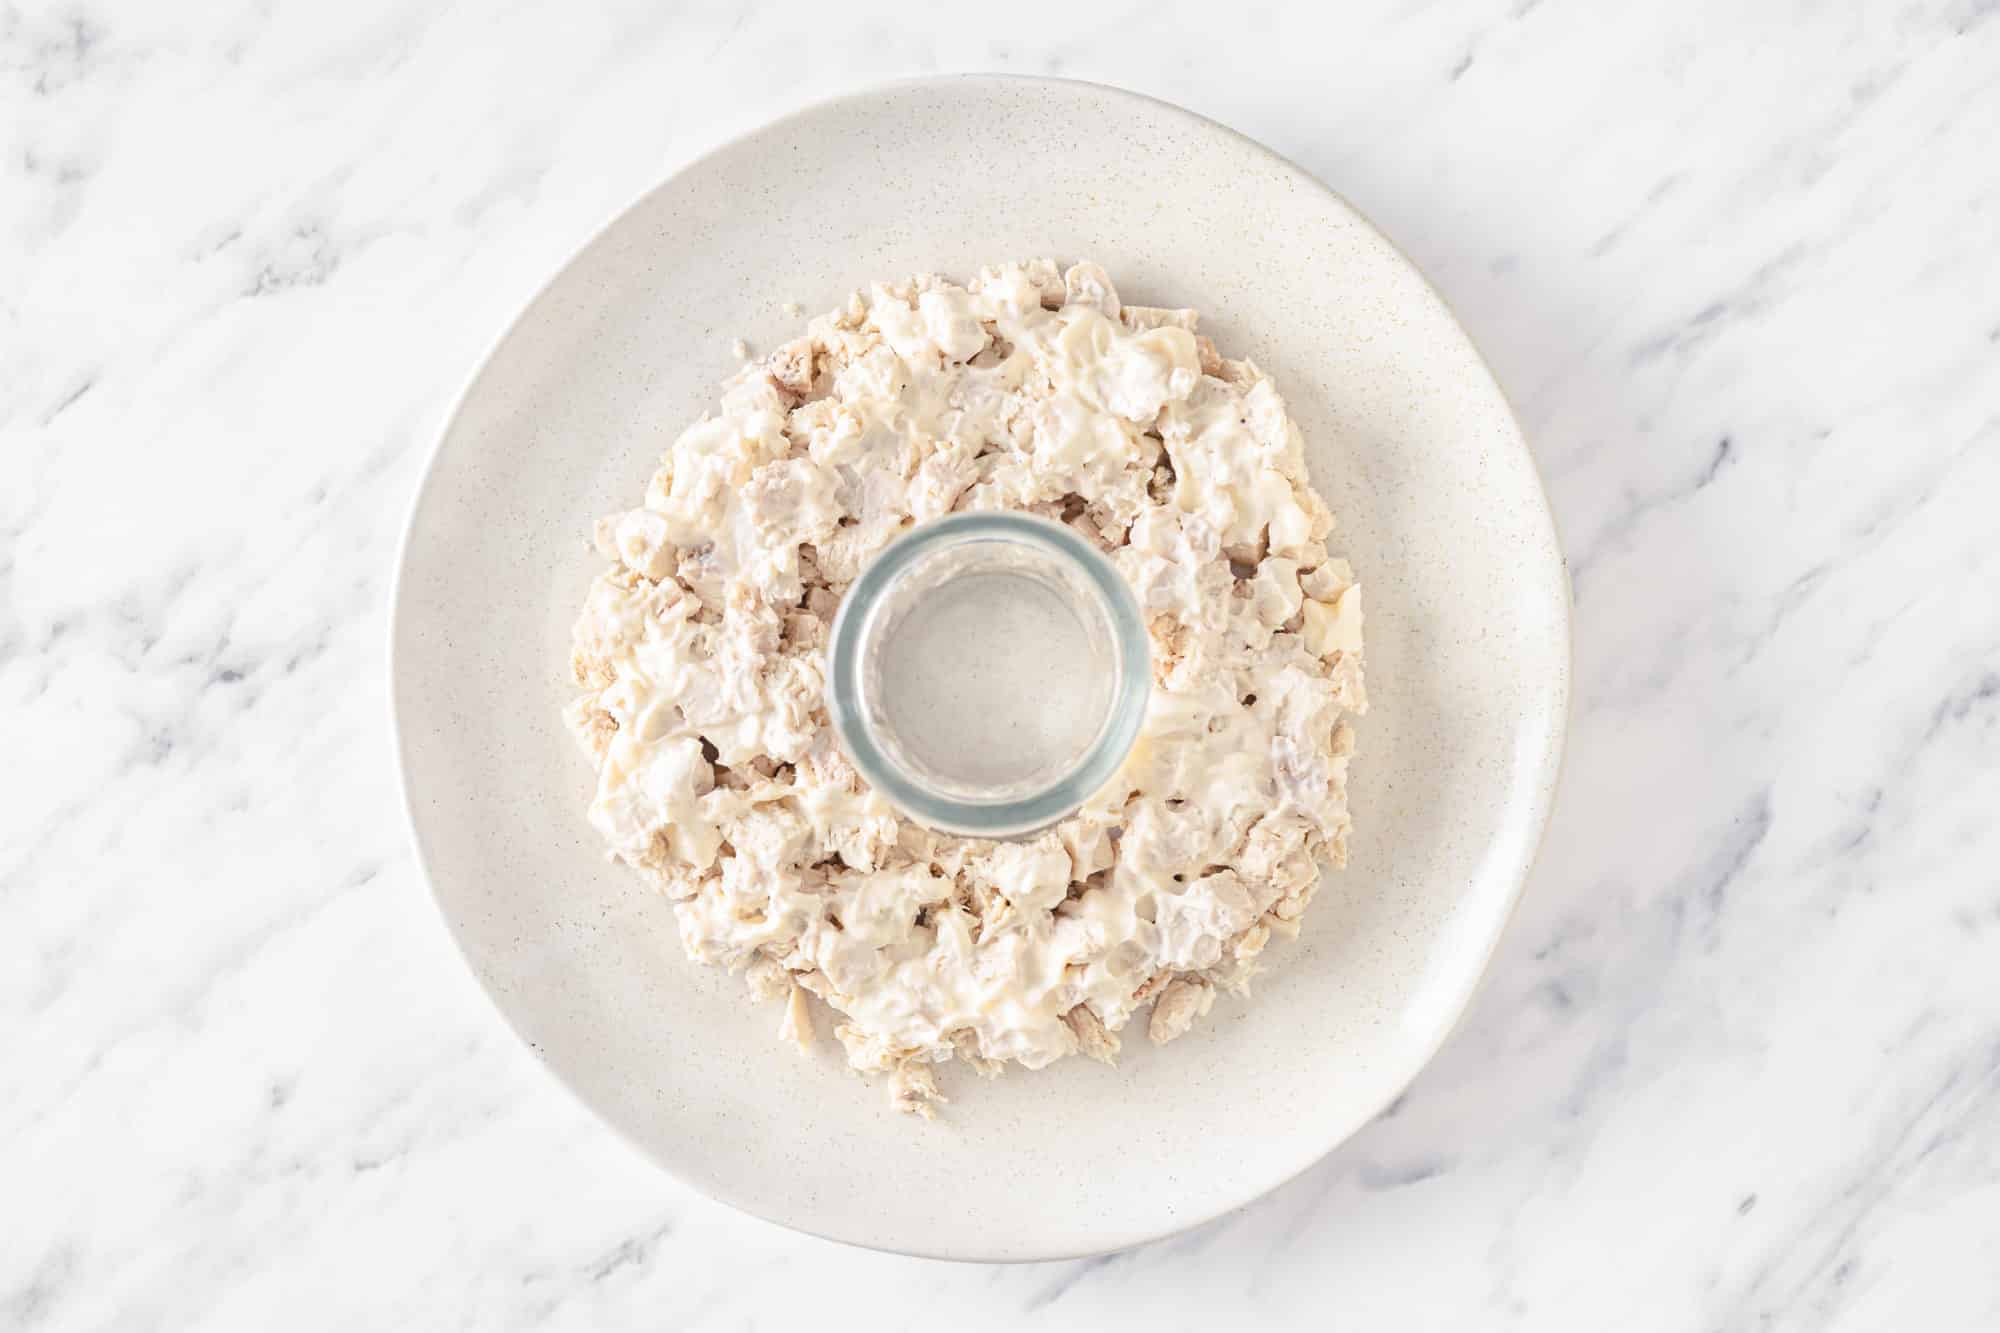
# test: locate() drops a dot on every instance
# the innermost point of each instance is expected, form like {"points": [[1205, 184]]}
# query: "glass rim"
{"points": [[1010, 817]]}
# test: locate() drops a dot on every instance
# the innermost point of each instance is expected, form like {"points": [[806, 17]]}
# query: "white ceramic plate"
{"points": [[1409, 440]]}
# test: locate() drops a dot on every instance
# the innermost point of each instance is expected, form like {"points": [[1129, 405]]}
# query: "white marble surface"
{"points": [[1738, 1062]]}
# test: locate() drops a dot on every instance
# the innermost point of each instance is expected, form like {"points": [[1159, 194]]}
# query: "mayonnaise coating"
{"points": [[701, 656]]}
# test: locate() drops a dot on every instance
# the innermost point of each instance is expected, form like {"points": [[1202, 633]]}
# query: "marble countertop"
{"points": [[1737, 1064]]}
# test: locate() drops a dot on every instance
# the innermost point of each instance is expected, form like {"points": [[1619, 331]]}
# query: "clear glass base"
{"points": [[988, 673]]}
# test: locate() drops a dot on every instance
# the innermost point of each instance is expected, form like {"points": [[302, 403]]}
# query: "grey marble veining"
{"points": [[1737, 1064]]}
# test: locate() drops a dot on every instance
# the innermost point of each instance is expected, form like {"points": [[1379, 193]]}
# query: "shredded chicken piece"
{"points": [[1091, 1038], [797, 1024], [1184, 1000], [913, 1089]]}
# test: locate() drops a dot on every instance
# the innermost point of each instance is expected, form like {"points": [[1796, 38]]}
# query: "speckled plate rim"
{"points": [[1549, 766]]}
